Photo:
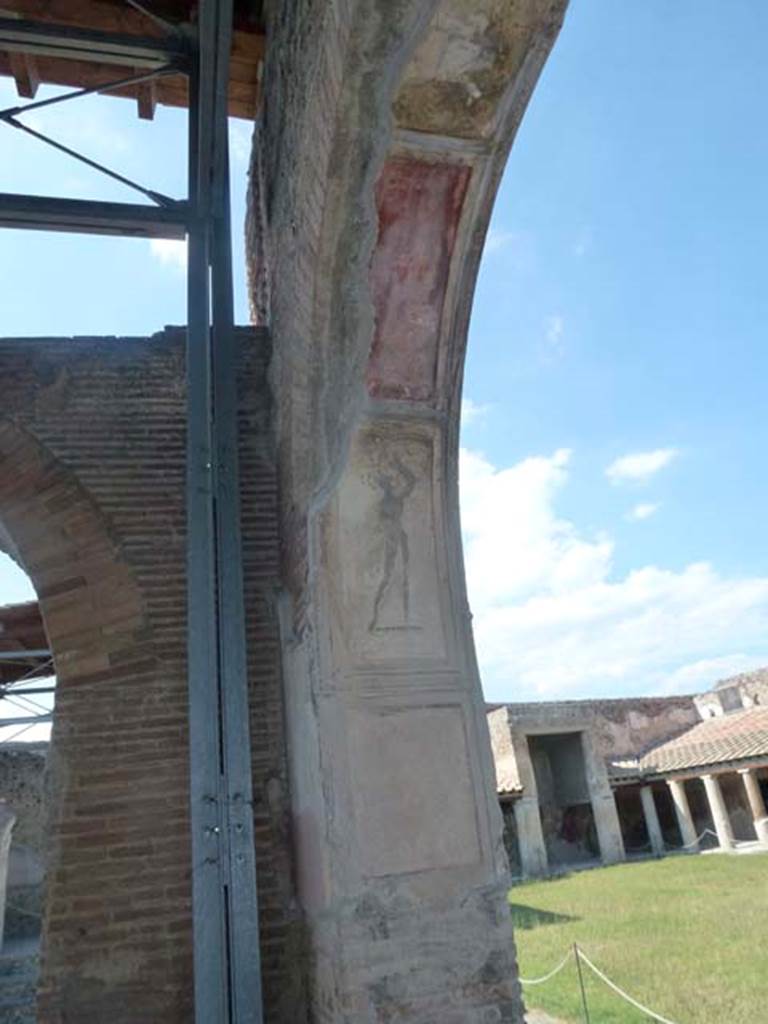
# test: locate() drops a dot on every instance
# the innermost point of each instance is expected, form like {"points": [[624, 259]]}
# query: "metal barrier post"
{"points": [[581, 984]]}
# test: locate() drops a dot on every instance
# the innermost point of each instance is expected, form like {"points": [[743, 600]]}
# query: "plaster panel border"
{"points": [[346, 662], [448, 700], [371, 682]]}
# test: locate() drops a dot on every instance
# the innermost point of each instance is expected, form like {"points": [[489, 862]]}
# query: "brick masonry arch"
{"points": [[103, 943], [92, 472]]}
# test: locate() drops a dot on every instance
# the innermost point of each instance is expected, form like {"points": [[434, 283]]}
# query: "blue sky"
{"points": [[622, 309], [619, 324]]}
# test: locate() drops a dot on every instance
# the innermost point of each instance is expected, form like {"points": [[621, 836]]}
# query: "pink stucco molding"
{"points": [[419, 207]]}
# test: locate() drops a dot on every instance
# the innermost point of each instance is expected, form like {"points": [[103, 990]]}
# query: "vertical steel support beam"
{"points": [[226, 939], [245, 967]]}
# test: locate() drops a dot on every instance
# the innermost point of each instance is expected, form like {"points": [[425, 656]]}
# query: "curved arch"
{"points": [[94, 943], [62, 540], [395, 813]]}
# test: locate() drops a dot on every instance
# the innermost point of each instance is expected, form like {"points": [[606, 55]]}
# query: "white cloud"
{"points": [[552, 619], [583, 244], [15, 586], [169, 252], [498, 239], [240, 138], [639, 467], [87, 125], [554, 328], [643, 511], [699, 676], [472, 412]]}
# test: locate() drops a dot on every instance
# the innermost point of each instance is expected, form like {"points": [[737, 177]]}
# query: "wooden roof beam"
{"points": [[146, 99], [25, 74]]}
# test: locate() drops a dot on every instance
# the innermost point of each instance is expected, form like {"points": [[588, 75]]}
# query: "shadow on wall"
{"points": [[529, 918]]}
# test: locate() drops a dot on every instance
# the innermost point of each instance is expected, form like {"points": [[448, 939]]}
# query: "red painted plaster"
{"points": [[419, 208]]}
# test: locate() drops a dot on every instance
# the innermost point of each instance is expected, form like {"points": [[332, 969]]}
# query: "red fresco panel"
{"points": [[419, 209]]}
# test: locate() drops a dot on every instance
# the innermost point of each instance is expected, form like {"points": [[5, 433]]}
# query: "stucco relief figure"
{"points": [[395, 482]]}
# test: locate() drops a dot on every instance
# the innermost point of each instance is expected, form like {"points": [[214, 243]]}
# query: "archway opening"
{"points": [[27, 700]]}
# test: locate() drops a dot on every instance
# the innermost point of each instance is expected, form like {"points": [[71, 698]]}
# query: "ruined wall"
{"points": [[620, 728], [504, 759], [92, 463], [22, 767], [747, 690], [22, 788]]}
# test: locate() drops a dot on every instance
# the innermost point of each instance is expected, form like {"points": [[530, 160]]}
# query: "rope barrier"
{"points": [[546, 977], [624, 995], [694, 842], [579, 954]]}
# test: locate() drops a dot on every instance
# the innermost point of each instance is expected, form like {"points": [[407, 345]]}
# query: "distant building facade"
{"points": [[595, 781]]}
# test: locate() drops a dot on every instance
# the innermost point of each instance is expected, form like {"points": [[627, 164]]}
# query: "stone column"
{"points": [[756, 804], [603, 803], [719, 812], [683, 812], [7, 821], [608, 828], [530, 837], [534, 861], [652, 820]]}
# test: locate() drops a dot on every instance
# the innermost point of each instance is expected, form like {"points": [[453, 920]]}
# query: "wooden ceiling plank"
{"points": [[104, 15], [56, 67]]}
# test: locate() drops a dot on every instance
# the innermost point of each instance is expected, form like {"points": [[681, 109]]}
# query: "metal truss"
{"points": [[31, 665], [225, 906]]}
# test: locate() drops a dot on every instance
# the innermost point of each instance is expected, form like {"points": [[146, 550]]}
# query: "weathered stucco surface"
{"points": [[461, 73], [621, 727], [385, 130], [419, 207]]}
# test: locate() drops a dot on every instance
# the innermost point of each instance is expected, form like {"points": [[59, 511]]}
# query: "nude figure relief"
{"points": [[394, 481]]}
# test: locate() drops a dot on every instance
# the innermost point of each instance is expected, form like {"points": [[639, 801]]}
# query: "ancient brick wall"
{"points": [[92, 495]]}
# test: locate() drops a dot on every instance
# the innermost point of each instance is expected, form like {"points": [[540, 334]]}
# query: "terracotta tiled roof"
{"points": [[738, 736]]}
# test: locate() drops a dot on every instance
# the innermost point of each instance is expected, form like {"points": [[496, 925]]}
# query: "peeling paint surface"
{"points": [[419, 208]]}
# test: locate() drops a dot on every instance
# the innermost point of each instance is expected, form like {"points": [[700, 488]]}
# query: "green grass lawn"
{"points": [[686, 936]]}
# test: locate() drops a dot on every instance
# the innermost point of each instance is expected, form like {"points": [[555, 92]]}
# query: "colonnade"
{"points": [[717, 809], [531, 841]]}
